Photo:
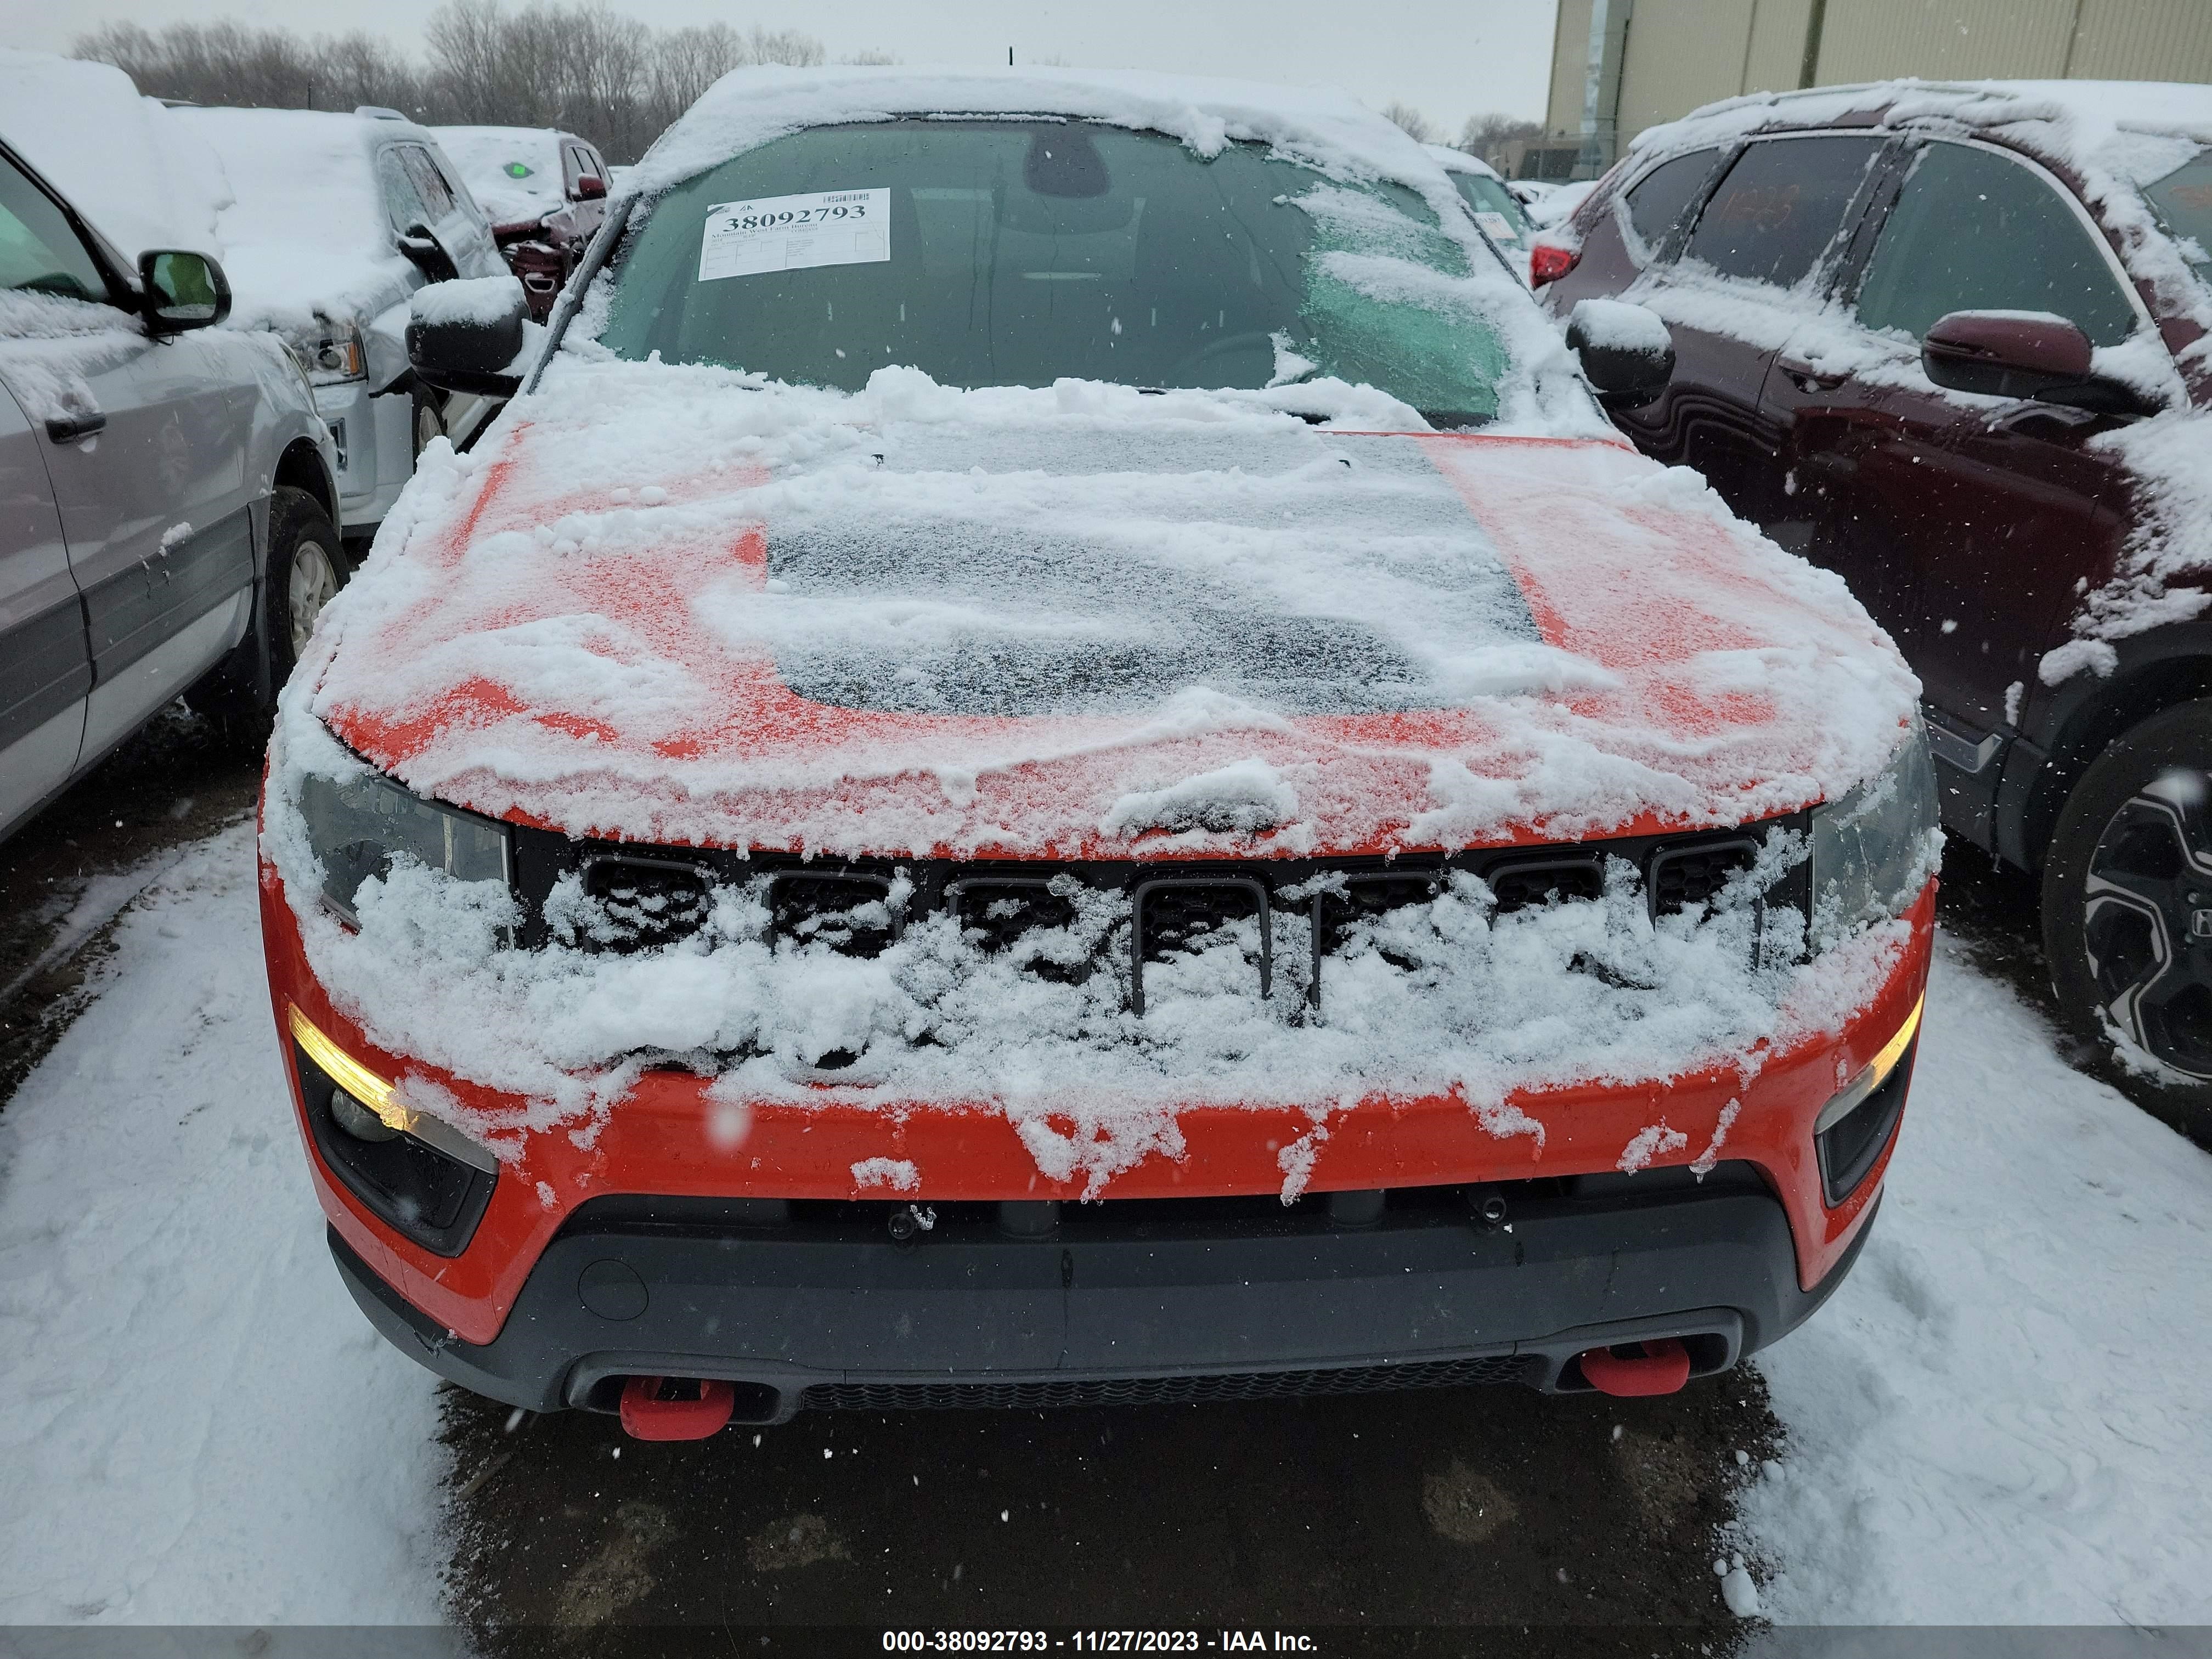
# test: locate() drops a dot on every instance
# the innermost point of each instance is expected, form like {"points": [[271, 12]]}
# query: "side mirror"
{"points": [[2022, 354], [182, 290], [1627, 354], [428, 255], [466, 336], [590, 187]]}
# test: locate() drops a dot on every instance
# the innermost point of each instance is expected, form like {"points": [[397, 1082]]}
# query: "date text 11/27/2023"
{"points": [[1098, 1641]]}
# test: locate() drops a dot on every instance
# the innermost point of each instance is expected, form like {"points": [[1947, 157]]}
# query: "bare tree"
{"points": [[575, 64], [1415, 126], [1487, 136]]}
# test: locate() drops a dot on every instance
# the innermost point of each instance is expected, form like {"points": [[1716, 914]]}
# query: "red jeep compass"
{"points": [[1950, 342], [1052, 757]]}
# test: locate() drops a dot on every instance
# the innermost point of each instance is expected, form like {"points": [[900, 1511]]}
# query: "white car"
{"points": [[336, 221]]}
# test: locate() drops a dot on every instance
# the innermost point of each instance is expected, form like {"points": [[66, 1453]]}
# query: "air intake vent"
{"points": [[997, 913], [850, 914], [1683, 876], [1527, 882], [1180, 915], [643, 902]]}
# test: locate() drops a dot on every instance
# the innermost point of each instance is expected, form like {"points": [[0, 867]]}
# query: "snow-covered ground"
{"points": [[1999, 1418], [201, 1429], [1995, 1421]]}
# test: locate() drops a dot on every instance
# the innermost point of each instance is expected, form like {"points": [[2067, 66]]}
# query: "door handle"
{"points": [[1806, 378], [68, 428]]}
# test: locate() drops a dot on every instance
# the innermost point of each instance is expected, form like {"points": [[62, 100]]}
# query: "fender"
{"points": [[2064, 727]]}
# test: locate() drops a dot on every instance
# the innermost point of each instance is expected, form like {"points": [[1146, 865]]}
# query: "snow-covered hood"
{"points": [[676, 605]]}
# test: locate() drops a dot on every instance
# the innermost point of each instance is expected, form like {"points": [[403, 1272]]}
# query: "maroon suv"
{"points": [[1951, 341]]}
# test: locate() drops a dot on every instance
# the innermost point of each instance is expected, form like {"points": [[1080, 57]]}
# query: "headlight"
{"points": [[1874, 849], [359, 828], [329, 355]]}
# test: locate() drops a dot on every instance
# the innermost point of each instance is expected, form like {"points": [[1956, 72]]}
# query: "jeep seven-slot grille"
{"points": [[1146, 916]]}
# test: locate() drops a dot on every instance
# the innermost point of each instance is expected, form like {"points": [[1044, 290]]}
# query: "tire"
{"points": [[429, 420], [307, 566], [2127, 909]]}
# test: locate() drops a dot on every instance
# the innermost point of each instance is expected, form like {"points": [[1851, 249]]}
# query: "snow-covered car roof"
{"points": [[1458, 161], [515, 173], [307, 230], [752, 106], [135, 173]]}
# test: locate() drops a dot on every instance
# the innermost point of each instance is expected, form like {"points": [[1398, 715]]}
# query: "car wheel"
{"points": [[430, 420], [308, 565], [2127, 901]]}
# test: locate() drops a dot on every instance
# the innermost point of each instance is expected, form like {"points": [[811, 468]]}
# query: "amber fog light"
{"points": [[1855, 1127]]}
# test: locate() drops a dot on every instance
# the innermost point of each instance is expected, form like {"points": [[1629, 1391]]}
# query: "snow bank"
{"points": [[136, 171], [202, 1429], [1998, 1420]]}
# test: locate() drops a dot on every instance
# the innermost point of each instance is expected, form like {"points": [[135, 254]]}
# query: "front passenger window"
{"points": [[1977, 231]]}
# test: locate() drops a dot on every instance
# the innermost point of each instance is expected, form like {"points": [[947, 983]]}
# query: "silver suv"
{"points": [[166, 493], [334, 222]]}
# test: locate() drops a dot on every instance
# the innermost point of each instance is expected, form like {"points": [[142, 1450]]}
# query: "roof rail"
{"points": [[378, 113]]}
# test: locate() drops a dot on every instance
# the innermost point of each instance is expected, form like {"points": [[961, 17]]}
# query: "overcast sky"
{"points": [[1449, 58]]}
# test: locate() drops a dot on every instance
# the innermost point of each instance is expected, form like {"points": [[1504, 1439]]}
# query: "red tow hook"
{"points": [[1660, 1366], [659, 1408]]}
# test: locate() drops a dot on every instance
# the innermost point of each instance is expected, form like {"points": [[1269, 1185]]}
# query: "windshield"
{"points": [[2183, 202], [1495, 209], [1021, 253]]}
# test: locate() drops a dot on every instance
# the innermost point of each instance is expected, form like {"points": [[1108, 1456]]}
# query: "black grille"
{"points": [[851, 914], [1683, 876], [1179, 914], [644, 902], [1164, 1390], [1523, 883]]}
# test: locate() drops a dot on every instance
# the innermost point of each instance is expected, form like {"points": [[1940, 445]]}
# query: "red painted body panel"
{"points": [[656, 1142]]}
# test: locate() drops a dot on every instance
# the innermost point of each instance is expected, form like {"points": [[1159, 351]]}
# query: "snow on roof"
{"points": [[749, 108], [124, 162], [488, 158], [1458, 161], [306, 231]]}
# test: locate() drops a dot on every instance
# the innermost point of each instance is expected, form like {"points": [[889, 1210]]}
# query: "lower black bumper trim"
{"points": [[815, 1324]]}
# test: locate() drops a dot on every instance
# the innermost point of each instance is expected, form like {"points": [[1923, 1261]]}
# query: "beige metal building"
{"points": [[1619, 65]]}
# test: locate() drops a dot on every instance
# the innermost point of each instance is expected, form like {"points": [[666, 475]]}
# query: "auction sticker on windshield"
{"points": [[791, 233]]}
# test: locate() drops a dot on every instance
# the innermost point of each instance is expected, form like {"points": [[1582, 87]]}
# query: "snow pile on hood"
{"points": [[306, 235], [673, 604], [135, 171], [487, 157]]}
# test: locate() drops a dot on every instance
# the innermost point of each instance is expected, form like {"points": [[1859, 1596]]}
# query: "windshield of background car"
{"points": [[1019, 253], [1494, 208], [2183, 202]]}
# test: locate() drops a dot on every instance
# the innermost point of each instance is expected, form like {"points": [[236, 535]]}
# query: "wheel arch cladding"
{"points": [[301, 468], [2166, 672]]}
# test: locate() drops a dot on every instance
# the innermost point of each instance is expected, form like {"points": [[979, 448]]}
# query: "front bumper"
{"points": [[1113, 1307]]}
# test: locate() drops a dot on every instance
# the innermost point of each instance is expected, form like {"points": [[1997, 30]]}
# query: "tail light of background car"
{"points": [[1549, 261]]}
